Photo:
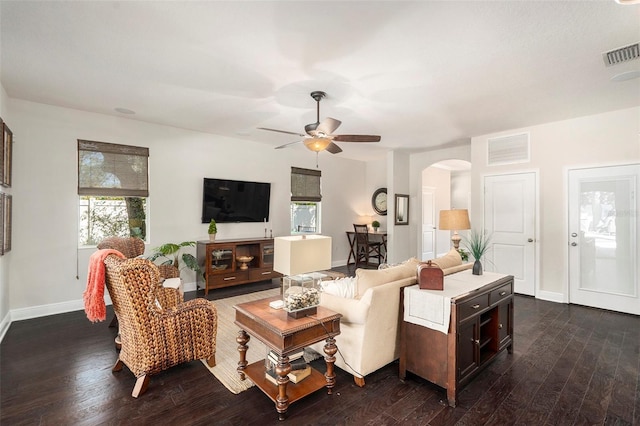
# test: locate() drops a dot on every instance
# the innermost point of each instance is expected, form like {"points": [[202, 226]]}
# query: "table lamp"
{"points": [[297, 257], [454, 220]]}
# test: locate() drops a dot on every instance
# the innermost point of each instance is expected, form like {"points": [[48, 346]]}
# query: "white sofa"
{"points": [[369, 328]]}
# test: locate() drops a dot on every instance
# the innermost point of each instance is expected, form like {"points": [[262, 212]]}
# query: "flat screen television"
{"points": [[235, 201]]}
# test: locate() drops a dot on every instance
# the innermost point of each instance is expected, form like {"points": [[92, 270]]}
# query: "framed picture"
{"points": [[402, 209], [6, 228], [2, 195], [2, 154], [7, 148]]}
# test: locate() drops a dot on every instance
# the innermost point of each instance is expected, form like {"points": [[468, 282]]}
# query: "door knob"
{"points": [[574, 244], [530, 240]]}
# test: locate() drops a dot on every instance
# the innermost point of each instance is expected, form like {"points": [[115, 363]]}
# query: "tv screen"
{"points": [[235, 201]]}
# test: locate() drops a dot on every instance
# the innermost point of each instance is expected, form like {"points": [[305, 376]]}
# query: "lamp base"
{"points": [[303, 312]]}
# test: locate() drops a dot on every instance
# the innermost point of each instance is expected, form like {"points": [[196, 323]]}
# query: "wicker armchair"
{"points": [[132, 247], [157, 329]]}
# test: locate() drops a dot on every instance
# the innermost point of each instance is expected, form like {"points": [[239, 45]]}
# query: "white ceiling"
{"points": [[421, 74]]}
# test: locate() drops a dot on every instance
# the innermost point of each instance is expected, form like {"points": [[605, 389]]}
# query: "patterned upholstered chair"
{"points": [[157, 329]]}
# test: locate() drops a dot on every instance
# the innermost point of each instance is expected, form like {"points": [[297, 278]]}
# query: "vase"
{"points": [[477, 268], [212, 237]]}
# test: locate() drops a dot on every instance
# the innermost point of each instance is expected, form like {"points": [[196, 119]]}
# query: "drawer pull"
{"points": [[266, 273], [477, 342], [476, 306], [229, 278], [500, 326], [502, 293]]}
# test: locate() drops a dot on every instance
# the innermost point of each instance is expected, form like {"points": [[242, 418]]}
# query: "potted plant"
{"points": [[171, 254], [477, 243], [375, 225], [213, 230]]}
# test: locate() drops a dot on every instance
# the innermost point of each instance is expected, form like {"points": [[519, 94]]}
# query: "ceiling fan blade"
{"points": [[311, 128], [287, 144], [356, 138], [333, 148], [328, 125], [281, 131]]}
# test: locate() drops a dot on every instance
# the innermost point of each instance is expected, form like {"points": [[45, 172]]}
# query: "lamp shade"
{"points": [[297, 254], [454, 220]]}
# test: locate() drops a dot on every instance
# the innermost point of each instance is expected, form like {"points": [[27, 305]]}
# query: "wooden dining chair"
{"points": [[365, 248]]}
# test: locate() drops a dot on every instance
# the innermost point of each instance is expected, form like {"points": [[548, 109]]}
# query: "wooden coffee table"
{"points": [[285, 335]]}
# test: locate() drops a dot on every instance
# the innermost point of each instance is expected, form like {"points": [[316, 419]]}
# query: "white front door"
{"points": [[509, 219], [428, 223], [604, 227]]}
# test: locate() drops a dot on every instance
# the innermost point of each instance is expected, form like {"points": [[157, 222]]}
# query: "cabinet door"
{"points": [[267, 255], [221, 258], [504, 322], [467, 348]]}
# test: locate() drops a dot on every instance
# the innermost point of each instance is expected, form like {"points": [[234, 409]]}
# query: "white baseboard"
{"points": [[550, 296], [46, 310], [4, 325], [57, 308]]}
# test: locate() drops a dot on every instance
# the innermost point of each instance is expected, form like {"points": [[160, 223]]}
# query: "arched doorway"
{"points": [[445, 185]]}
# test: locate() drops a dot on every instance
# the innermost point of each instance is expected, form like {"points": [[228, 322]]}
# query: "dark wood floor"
{"points": [[571, 365]]}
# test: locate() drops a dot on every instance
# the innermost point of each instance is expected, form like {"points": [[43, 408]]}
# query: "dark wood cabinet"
{"points": [[221, 266], [480, 327]]}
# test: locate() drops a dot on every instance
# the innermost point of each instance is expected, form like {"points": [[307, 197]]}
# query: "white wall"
{"points": [[48, 272], [597, 140], [4, 260]]}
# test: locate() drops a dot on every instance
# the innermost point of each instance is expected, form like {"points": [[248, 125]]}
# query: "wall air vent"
{"points": [[622, 54], [508, 149]]}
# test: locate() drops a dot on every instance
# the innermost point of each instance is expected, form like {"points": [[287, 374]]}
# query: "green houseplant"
{"points": [[477, 243], [213, 230], [169, 254], [375, 225]]}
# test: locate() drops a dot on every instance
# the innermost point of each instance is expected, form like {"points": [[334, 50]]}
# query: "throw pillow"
{"points": [[449, 260], [341, 287]]}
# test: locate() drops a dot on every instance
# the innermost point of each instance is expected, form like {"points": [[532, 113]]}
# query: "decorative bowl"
{"points": [[244, 260]]}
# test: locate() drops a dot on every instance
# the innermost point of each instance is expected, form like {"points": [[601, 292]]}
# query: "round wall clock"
{"points": [[379, 201]]}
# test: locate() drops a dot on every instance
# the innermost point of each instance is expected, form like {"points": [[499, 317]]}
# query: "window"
{"points": [[305, 201], [113, 191]]}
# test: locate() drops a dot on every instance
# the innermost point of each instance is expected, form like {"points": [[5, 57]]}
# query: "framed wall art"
{"points": [[402, 209], [6, 227], [7, 151], [2, 227]]}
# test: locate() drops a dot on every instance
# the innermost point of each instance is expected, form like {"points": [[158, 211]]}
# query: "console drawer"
{"points": [[472, 306], [258, 274], [228, 278], [501, 293]]}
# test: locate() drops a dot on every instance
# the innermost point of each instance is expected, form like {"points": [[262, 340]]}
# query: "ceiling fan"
{"points": [[319, 135]]}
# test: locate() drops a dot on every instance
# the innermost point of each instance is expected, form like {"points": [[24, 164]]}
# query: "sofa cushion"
{"points": [[367, 278]]}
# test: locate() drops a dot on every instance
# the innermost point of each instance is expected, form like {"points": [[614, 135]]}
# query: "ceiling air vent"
{"points": [[622, 54], [508, 149]]}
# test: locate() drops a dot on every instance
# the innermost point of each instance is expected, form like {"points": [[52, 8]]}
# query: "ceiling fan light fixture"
{"points": [[317, 144]]}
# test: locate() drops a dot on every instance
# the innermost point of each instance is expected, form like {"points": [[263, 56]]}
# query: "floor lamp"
{"points": [[454, 220]]}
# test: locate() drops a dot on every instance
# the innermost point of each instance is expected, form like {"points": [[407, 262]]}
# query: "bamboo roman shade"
{"points": [[305, 185], [107, 169]]}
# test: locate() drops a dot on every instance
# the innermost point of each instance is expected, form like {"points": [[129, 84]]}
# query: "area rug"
{"points": [[226, 346]]}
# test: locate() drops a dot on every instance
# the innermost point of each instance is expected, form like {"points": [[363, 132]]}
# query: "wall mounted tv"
{"points": [[235, 201]]}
